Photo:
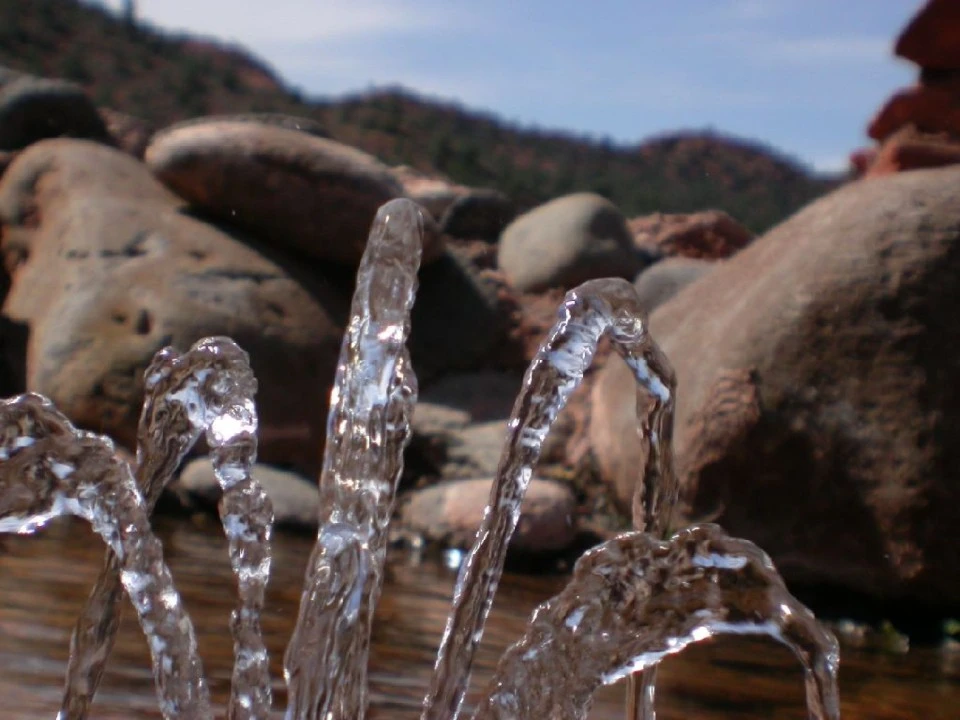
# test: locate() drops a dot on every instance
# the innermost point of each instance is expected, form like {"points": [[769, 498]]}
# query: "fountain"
{"points": [[631, 601]]}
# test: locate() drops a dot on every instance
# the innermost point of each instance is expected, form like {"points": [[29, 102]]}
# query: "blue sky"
{"points": [[803, 76]]}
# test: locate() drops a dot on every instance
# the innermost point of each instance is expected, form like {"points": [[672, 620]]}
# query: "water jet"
{"points": [[631, 601]]}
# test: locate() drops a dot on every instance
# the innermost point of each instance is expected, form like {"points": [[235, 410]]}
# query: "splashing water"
{"points": [[631, 601], [49, 469], [596, 308], [208, 389], [634, 600], [367, 430]]}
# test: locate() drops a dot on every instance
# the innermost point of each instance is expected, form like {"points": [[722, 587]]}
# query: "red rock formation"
{"points": [[818, 394], [919, 127], [932, 38], [910, 149], [929, 108], [711, 234]]}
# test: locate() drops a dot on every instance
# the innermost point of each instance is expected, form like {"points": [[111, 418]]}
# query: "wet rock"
{"points": [[33, 108], [932, 38], [107, 268], [711, 234], [296, 501], [568, 241], [478, 215], [451, 512], [661, 281], [288, 188], [818, 391]]}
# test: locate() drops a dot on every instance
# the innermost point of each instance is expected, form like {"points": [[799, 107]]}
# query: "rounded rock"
{"points": [[661, 281], [32, 109], [295, 499], [286, 187], [478, 215], [817, 387], [451, 512], [107, 268], [568, 241]]}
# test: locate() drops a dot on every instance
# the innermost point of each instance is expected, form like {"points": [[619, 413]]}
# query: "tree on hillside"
{"points": [[129, 13]]}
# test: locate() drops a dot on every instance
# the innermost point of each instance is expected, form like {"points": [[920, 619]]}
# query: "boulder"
{"points": [[932, 38], [711, 234], [107, 268], [567, 241], [661, 281], [819, 391], [33, 108], [456, 321], [280, 120], [451, 512], [295, 499], [478, 215], [460, 422], [433, 191], [288, 188]]}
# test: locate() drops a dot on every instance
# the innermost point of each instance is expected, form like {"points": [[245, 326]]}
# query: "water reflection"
{"points": [[44, 580]]}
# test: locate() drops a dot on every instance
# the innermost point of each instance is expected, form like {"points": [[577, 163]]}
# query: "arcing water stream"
{"points": [[631, 601]]}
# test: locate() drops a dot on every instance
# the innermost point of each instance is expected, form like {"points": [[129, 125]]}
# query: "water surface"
{"points": [[44, 580]]}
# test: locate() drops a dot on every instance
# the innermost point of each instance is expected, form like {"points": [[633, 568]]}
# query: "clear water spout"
{"points": [[631, 601]]}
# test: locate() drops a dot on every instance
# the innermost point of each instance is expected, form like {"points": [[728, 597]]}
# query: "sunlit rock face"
{"points": [[819, 390], [108, 267]]}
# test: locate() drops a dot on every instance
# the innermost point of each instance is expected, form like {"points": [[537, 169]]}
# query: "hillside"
{"points": [[162, 77]]}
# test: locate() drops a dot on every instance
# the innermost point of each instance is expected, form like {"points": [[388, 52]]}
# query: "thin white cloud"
{"points": [[337, 68], [831, 49], [803, 51], [685, 93]]}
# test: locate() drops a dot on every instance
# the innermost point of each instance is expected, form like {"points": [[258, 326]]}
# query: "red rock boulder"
{"points": [[932, 38], [711, 234], [819, 391], [909, 149], [107, 267]]}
